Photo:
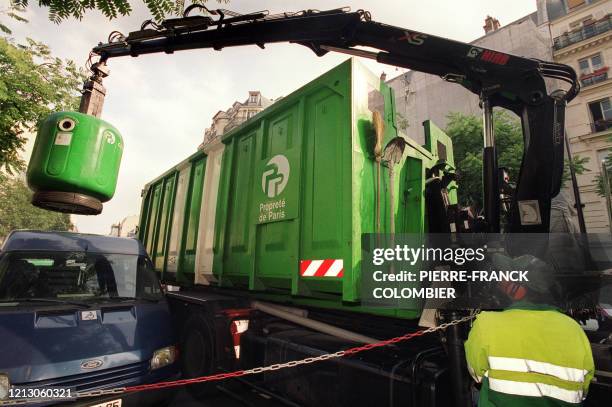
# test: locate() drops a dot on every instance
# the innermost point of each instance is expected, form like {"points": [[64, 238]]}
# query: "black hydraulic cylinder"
{"points": [[490, 179], [490, 172], [575, 189], [460, 381]]}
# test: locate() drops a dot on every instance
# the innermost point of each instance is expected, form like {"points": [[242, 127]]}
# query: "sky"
{"points": [[162, 103]]}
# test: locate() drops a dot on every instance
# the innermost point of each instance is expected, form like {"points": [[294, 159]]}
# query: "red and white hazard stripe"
{"points": [[322, 268]]}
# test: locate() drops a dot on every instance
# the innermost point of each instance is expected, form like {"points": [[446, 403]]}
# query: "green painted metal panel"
{"points": [[225, 205], [192, 221], [175, 232], [159, 257], [260, 233], [237, 256], [326, 192], [75, 152], [441, 147], [153, 217], [276, 200], [412, 177]]}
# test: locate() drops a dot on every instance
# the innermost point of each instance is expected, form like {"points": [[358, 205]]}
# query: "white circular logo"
{"points": [[275, 176], [110, 137]]}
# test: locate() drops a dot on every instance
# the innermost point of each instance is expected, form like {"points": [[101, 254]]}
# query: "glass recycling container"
{"points": [[75, 163]]}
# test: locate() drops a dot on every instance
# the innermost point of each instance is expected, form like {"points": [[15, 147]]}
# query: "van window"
{"points": [[86, 276]]}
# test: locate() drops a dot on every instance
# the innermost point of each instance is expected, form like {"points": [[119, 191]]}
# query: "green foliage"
{"points": [[11, 12], [33, 84], [16, 211], [599, 181], [578, 163], [467, 135], [62, 9]]}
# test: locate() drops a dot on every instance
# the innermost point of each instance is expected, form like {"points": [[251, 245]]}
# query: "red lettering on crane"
{"points": [[494, 57]]}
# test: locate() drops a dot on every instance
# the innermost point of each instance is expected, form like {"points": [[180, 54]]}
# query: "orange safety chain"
{"points": [[257, 370], [278, 366]]}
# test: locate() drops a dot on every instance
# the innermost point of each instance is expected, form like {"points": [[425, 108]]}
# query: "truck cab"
{"points": [[82, 312]]}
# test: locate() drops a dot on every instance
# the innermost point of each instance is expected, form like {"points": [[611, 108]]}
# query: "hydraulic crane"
{"points": [[500, 80]]}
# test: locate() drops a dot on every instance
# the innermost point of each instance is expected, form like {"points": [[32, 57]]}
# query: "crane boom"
{"points": [[499, 79]]}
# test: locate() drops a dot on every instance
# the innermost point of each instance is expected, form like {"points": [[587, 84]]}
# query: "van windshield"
{"points": [[78, 276]]}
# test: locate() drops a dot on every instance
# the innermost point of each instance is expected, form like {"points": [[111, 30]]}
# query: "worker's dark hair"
{"points": [[537, 297], [551, 296]]}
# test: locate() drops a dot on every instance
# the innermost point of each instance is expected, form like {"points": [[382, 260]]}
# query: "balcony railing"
{"points": [[599, 75], [583, 33], [601, 125]]}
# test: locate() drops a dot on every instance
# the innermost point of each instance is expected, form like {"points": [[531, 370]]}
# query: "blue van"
{"points": [[82, 312]]}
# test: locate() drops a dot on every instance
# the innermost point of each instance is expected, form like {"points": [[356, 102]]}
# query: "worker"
{"points": [[529, 354]]}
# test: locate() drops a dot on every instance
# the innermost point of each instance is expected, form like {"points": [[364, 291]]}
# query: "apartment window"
{"points": [[253, 99], [590, 64], [555, 9], [601, 113], [592, 70], [586, 21], [250, 114], [602, 155]]}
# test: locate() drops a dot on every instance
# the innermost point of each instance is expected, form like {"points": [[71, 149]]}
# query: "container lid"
{"points": [[67, 202]]}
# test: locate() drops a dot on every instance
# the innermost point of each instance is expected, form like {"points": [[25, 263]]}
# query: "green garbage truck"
{"points": [[272, 212], [279, 204]]}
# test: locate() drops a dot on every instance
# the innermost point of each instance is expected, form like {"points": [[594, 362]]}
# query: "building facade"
{"points": [[582, 38], [239, 112]]}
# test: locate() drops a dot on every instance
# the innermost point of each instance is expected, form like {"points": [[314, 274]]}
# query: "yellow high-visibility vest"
{"points": [[529, 355]]}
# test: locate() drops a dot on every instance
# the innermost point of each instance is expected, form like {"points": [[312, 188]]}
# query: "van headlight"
{"points": [[5, 385], [163, 357]]}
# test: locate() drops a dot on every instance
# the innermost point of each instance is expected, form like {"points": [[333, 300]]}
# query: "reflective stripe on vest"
{"points": [[533, 366], [535, 390]]}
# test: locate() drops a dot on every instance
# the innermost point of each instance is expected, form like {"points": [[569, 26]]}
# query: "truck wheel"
{"points": [[197, 354]]}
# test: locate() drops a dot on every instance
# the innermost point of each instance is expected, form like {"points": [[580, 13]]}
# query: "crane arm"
{"points": [[499, 79], [478, 69]]}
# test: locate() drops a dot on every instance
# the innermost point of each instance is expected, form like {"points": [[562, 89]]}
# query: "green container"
{"points": [[75, 163], [170, 218], [292, 188]]}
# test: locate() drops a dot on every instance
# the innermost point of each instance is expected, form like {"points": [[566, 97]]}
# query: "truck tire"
{"points": [[197, 353]]}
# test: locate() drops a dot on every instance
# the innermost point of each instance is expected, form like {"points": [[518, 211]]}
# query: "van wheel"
{"points": [[197, 354]]}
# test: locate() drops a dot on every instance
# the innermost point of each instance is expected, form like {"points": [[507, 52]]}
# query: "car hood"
{"points": [[42, 343]]}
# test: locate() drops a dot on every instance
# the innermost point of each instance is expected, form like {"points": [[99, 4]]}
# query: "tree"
{"points": [[11, 12], [599, 180], [467, 135], [62, 9], [33, 83], [16, 211]]}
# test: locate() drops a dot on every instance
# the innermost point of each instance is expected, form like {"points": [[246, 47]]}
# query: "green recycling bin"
{"points": [[75, 163]]}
